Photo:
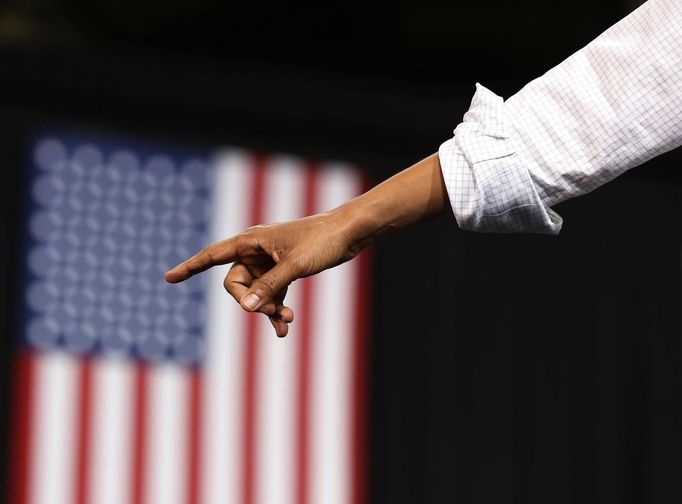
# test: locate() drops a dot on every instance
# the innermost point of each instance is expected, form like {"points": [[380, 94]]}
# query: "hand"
{"points": [[267, 259]]}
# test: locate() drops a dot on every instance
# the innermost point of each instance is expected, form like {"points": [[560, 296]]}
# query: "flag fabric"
{"points": [[130, 390]]}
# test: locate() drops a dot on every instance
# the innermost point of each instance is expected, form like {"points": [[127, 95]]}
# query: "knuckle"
{"points": [[256, 236], [296, 260], [298, 264], [267, 284], [209, 255], [205, 255], [253, 230], [231, 289]]}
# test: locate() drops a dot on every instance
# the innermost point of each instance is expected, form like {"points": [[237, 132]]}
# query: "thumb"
{"points": [[263, 289]]}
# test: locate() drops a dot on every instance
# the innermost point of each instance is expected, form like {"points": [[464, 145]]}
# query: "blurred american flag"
{"points": [[129, 390]]}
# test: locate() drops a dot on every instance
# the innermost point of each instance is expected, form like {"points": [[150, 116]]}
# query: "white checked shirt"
{"points": [[607, 108]]}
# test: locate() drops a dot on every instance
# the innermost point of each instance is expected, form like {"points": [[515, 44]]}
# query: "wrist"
{"points": [[412, 195], [361, 221]]}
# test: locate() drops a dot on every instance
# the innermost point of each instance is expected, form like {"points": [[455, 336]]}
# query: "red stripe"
{"points": [[20, 428], [251, 357], [195, 413], [140, 412], [358, 420], [305, 328], [83, 439]]}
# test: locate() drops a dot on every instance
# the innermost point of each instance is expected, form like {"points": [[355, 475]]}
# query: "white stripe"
{"points": [[166, 434], [331, 360], [52, 474], [222, 411], [111, 431], [277, 366]]}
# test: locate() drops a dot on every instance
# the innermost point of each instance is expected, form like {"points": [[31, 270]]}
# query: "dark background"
{"points": [[504, 369]]}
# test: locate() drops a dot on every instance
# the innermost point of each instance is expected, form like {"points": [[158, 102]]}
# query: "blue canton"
{"points": [[104, 225]]}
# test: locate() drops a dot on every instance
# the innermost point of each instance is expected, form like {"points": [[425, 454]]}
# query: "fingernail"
{"points": [[251, 301]]}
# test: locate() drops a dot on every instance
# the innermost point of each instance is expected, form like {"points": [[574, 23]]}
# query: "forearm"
{"points": [[410, 196]]}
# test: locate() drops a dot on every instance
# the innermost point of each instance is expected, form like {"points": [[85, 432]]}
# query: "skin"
{"points": [[267, 259]]}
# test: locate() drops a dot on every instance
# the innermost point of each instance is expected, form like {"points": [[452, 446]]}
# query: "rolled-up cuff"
{"points": [[488, 184]]}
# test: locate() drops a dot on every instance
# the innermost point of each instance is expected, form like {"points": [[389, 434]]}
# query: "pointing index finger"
{"points": [[219, 253]]}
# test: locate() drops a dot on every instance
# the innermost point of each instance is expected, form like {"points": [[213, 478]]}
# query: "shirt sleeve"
{"points": [[612, 105]]}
